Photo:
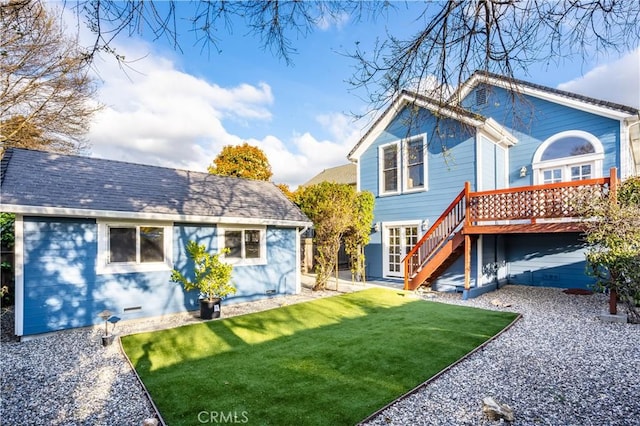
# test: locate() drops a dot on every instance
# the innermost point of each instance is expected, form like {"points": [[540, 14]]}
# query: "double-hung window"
{"points": [[246, 245], [414, 164], [403, 166], [132, 247]]}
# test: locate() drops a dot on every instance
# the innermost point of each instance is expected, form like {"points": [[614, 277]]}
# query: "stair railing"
{"points": [[445, 226]]}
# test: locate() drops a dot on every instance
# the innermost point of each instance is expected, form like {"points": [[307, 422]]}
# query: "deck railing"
{"points": [[550, 201], [527, 203], [436, 236]]}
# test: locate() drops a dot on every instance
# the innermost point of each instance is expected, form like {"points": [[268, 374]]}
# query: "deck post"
{"points": [[613, 198], [467, 261], [467, 238], [467, 203], [613, 185]]}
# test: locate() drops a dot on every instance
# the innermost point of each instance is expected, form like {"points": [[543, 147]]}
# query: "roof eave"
{"points": [[146, 216], [407, 98], [498, 133], [505, 83]]}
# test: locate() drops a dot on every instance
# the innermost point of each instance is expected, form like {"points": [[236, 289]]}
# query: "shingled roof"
{"points": [[36, 182], [340, 174]]}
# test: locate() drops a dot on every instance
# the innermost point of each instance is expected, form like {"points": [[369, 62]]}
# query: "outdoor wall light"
{"points": [[425, 224], [523, 171], [376, 227]]}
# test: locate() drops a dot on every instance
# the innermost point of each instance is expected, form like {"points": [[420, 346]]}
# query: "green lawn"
{"points": [[332, 361]]}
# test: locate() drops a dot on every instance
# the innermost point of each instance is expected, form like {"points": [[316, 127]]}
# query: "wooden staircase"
{"points": [[440, 246], [529, 209]]}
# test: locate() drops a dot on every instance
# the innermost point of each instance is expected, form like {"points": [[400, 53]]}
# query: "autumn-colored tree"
{"points": [[243, 161], [46, 93], [286, 191]]}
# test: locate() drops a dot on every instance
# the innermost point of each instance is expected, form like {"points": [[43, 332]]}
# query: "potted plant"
{"points": [[107, 317], [212, 278]]}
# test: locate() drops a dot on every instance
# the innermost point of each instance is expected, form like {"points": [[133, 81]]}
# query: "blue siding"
{"points": [[450, 162], [533, 120], [549, 260], [488, 164], [62, 289]]}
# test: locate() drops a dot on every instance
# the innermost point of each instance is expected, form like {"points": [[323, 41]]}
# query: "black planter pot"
{"points": [[107, 340], [209, 309]]}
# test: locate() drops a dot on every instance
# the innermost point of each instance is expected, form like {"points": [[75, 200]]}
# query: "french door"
{"points": [[399, 239]]}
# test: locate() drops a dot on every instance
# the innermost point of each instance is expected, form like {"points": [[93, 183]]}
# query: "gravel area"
{"points": [[558, 365]]}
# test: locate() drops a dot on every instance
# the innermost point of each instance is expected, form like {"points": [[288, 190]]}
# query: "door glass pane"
{"points": [[233, 241], [122, 245], [411, 238], [394, 250], [252, 244], [151, 244]]}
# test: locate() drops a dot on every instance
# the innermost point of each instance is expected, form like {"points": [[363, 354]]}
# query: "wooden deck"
{"points": [[546, 208]]}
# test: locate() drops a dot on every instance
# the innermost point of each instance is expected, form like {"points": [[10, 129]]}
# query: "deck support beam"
{"points": [[467, 261]]}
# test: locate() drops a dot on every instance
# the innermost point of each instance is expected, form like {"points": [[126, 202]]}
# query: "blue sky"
{"points": [[178, 109]]}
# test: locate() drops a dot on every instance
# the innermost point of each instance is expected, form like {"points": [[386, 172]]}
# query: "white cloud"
{"points": [[157, 114], [617, 81]]}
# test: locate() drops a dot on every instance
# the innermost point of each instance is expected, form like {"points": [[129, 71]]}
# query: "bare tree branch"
{"points": [[46, 94]]}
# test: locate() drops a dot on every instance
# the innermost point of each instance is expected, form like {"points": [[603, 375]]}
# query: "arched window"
{"points": [[568, 156]]}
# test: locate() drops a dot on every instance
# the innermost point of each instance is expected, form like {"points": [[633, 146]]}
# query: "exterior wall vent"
{"points": [[481, 96]]}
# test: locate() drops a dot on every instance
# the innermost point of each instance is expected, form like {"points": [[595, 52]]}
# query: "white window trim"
{"points": [[595, 159], [405, 164], [402, 164], [262, 260], [381, 149], [104, 267]]}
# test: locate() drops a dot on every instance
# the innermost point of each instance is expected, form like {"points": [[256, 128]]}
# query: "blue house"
{"points": [[479, 192], [93, 234]]}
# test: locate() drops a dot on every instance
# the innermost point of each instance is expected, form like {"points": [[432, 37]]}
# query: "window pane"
{"points": [[567, 147], [390, 169], [552, 176], [151, 244], [415, 164], [581, 172], [233, 241], [252, 244], [390, 181], [122, 245]]}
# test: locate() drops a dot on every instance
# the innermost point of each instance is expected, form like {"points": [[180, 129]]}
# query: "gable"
{"points": [[573, 100], [408, 99], [36, 182]]}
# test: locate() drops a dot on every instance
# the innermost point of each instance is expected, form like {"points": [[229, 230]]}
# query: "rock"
{"points": [[150, 422], [500, 304], [495, 410]]}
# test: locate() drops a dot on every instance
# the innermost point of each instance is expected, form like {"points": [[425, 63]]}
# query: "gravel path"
{"points": [[558, 365]]}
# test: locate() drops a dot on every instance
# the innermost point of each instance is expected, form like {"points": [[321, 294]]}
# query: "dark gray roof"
{"points": [[42, 179], [340, 174]]}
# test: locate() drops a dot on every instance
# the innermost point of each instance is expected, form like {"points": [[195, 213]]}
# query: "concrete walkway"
{"points": [[345, 285]]}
